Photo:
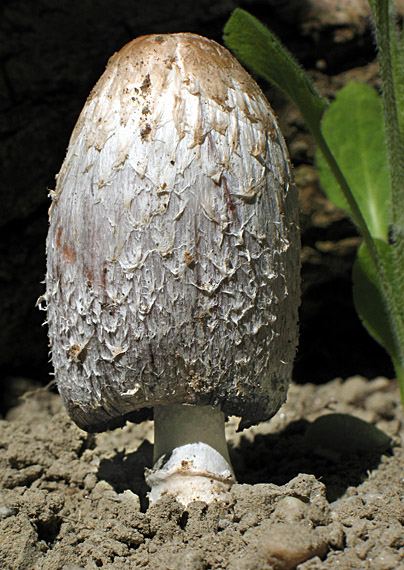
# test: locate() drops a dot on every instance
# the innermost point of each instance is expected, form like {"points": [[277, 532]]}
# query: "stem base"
{"points": [[192, 472]]}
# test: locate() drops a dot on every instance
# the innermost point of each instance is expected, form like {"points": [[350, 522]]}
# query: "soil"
{"points": [[320, 486]]}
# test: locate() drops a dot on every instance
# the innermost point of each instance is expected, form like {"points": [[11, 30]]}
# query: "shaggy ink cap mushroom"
{"points": [[173, 257]]}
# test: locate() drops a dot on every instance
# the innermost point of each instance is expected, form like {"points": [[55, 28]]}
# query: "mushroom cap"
{"points": [[173, 247]]}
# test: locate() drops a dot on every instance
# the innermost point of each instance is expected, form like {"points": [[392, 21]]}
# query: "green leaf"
{"points": [[369, 299], [261, 51], [353, 127]]}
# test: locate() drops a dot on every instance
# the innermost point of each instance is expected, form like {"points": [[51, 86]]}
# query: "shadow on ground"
{"points": [[278, 458], [274, 458]]}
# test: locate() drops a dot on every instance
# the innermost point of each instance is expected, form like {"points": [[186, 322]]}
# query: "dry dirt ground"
{"points": [[320, 487]]}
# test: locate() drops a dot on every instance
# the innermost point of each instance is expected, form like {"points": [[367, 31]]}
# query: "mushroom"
{"points": [[173, 258]]}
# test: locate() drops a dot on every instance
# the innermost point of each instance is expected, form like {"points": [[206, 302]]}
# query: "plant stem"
{"points": [[179, 424], [399, 368], [395, 147], [394, 290]]}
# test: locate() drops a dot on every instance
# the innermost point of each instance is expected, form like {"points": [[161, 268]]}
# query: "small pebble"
{"points": [[6, 512], [289, 510], [130, 499], [386, 560], [103, 490], [284, 545], [90, 481]]}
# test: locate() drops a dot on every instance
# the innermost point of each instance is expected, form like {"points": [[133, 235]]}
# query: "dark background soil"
{"points": [[51, 55]]}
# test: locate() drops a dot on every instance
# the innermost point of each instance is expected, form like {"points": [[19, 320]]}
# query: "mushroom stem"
{"points": [[191, 459]]}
